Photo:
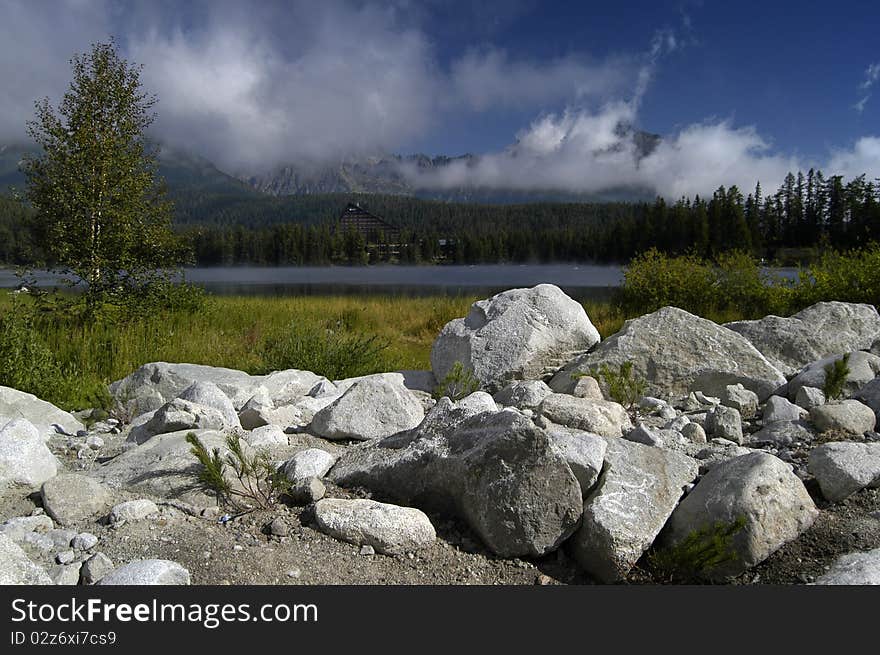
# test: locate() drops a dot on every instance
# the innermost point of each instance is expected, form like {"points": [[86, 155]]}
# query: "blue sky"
{"points": [[739, 91]]}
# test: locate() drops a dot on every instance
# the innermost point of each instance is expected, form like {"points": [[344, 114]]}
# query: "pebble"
{"points": [[366, 549], [294, 573], [84, 541], [65, 557], [95, 442]]}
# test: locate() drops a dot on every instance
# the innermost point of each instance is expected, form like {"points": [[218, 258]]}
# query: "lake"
{"points": [[578, 280], [581, 281]]}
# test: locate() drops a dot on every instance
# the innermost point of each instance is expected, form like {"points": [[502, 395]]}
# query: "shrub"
{"points": [[26, 363], [836, 374], [622, 385], [260, 483], [654, 280], [698, 554], [335, 354], [457, 383]]}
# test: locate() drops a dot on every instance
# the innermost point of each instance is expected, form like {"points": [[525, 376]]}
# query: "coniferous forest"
{"points": [[808, 212]]}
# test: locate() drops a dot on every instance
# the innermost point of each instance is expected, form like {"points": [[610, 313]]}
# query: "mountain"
{"points": [[201, 189], [187, 176], [384, 174]]}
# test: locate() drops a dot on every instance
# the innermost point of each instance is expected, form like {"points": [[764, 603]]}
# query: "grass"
{"points": [[240, 331]]}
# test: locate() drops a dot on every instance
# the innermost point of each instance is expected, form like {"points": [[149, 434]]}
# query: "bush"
{"points": [[26, 363], [701, 551], [458, 383], [836, 374], [852, 276], [733, 284], [260, 482], [622, 385], [654, 280], [333, 353]]}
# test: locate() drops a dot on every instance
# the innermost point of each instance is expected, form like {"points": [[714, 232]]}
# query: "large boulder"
{"points": [[389, 529], [870, 395], [369, 409], [821, 330], [164, 467], [70, 497], [42, 415], [24, 458], [602, 417], [16, 568], [863, 368], [639, 489], [497, 470], [520, 334], [675, 352], [757, 497], [844, 467], [853, 569]]}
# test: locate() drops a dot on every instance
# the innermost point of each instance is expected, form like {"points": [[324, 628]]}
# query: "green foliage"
{"points": [[99, 212], [622, 385], [258, 482], [732, 283], [26, 363], [654, 280], [836, 374], [851, 276], [696, 557], [457, 383], [332, 352]]}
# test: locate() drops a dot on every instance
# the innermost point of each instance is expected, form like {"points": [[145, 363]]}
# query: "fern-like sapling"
{"points": [[836, 374]]}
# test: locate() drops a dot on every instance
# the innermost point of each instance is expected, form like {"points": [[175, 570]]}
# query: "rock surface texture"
{"points": [[521, 334], [676, 352]]}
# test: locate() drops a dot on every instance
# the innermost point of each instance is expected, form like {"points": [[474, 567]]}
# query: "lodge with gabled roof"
{"points": [[374, 229]]}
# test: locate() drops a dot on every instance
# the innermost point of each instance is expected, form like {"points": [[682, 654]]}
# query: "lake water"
{"points": [[578, 280], [581, 281]]}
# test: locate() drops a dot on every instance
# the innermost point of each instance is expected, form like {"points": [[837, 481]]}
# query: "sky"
{"points": [[739, 92]]}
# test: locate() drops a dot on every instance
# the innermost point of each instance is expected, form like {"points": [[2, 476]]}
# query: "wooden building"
{"points": [[374, 229]]}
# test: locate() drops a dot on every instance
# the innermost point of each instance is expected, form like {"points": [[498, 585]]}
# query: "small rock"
{"points": [[389, 529], [148, 572], [694, 432], [842, 468], [279, 528], [781, 409], [69, 497], [809, 397], [366, 549], [84, 541], [306, 491], [66, 574], [132, 510], [65, 557], [95, 442], [725, 423], [740, 399], [95, 568], [309, 463]]}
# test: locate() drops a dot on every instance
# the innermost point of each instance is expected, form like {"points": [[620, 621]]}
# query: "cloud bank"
{"points": [[255, 85]]}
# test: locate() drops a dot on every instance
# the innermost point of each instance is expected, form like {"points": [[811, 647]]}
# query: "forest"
{"points": [[809, 213]]}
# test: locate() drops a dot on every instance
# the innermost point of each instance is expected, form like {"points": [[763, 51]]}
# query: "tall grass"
{"points": [[252, 333]]}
